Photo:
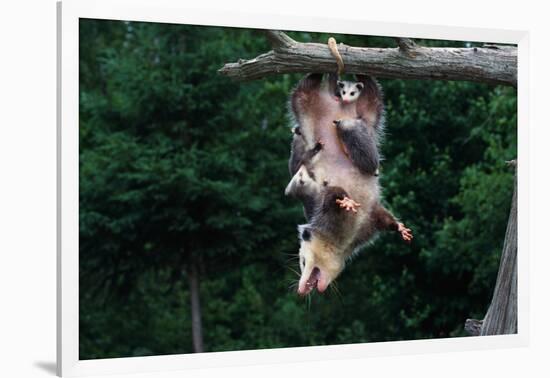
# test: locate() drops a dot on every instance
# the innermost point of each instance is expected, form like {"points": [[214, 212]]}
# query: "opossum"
{"points": [[360, 143], [359, 131], [361, 136], [348, 91], [303, 184], [341, 200]]}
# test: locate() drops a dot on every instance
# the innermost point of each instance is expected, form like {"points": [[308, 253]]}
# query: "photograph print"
{"points": [[247, 189]]}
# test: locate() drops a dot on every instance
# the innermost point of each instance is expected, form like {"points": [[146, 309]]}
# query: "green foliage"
{"points": [[180, 164]]}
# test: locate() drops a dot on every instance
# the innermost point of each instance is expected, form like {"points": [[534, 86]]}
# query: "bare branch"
{"points": [[406, 46], [409, 61], [278, 39]]}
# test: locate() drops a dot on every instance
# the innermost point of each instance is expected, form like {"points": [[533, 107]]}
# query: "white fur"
{"points": [[349, 91]]}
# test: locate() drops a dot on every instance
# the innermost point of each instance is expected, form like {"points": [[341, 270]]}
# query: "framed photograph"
{"points": [[238, 189]]}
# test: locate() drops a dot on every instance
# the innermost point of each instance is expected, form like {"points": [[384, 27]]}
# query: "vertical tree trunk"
{"points": [[502, 315], [196, 322]]}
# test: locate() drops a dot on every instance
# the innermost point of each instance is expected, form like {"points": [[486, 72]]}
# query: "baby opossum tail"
{"points": [[336, 54]]}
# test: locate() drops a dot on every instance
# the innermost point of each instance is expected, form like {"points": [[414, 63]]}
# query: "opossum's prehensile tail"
{"points": [[336, 54]]}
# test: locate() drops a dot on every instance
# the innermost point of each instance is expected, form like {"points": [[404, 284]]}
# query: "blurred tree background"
{"points": [[182, 174]]}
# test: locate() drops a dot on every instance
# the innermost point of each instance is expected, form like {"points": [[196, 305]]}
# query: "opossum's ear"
{"points": [[340, 84], [359, 86]]}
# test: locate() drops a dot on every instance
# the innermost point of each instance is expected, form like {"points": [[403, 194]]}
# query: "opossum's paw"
{"points": [[337, 122], [406, 233], [348, 204]]}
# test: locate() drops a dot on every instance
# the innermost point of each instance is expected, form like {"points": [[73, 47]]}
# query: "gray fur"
{"points": [[303, 184], [297, 151], [361, 142], [329, 219], [304, 188]]}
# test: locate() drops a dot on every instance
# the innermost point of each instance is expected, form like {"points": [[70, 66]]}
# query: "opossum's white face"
{"points": [[349, 91], [320, 262], [302, 182]]}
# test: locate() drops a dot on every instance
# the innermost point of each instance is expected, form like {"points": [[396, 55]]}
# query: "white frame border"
{"points": [[170, 11]]}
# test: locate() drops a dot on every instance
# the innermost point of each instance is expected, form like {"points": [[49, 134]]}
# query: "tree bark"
{"points": [[502, 315], [490, 64], [196, 316]]}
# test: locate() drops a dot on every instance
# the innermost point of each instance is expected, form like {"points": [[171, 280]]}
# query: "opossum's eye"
{"points": [[352, 93], [306, 235], [343, 92]]}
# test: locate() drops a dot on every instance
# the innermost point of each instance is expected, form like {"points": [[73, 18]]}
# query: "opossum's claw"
{"points": [[336, 122], [348, 204], [406, 233]]}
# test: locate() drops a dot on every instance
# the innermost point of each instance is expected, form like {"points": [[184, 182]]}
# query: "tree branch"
{"points": [[406, 46], [490, 64], [278, 39]]}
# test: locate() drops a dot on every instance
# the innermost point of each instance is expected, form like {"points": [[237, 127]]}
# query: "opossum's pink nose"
{"points": [[311, 283]]}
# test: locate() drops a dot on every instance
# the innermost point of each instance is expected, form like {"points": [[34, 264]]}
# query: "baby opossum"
{"points": [[303, 184], [360, 136], [360, 144], [341, 202], [348, 91]]}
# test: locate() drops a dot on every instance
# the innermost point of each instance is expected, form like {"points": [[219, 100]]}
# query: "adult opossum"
{"points": [[333, 161]]}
